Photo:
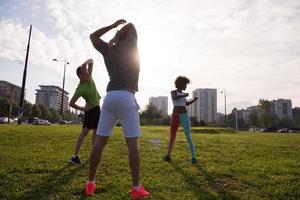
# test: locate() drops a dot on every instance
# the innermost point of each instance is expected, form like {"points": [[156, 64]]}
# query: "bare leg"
{"points": [[96, 153], [80, 139], [134, 159], [94, 136]]}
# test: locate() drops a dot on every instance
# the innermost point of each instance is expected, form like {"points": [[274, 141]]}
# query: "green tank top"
{"points": [[88, 92]]}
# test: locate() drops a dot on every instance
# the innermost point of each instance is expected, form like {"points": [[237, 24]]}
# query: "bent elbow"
{"points": [[91, 36]]}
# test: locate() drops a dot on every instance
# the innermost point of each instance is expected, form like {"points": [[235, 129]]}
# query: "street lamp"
{"points": [[224, 91], [63, 88]]}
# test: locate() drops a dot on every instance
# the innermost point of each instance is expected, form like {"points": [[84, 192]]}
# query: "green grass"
{"points": [[33, 165]]}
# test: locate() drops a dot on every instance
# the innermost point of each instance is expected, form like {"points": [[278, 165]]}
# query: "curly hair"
{"points": [[181, 81]]}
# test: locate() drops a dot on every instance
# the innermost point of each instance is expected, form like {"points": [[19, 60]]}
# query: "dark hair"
{"points": [[181, 81], [78, 71]]}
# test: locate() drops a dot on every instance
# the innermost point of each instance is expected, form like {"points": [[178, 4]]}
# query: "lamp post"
{"points": [[224, 91], [63, 87]]}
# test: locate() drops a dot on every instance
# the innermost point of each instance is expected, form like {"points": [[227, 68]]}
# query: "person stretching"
{"points": [[123, 67], [180, 116], [88, 91]]}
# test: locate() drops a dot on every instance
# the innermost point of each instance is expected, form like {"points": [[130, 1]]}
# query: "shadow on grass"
{"points": [[212, 191], [49, 186]]}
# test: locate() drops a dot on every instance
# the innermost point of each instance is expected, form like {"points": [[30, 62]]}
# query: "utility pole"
{"points": [[20, 112]]}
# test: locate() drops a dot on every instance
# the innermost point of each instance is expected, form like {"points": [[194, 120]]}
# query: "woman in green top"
{"points": [[88, 91]]}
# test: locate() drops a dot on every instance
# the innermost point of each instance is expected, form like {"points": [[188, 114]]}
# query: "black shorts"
{"points": [[91, 118]]}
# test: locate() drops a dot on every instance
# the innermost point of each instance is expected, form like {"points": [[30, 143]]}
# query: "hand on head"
{"points": [[115, 41], [119, 22]]}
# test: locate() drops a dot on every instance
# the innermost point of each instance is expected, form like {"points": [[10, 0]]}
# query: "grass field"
{"points": [[33, 165]]}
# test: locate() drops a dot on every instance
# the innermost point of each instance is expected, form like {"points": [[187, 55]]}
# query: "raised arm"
{"points": [[90, 63], [192, 101], [95, 36], [124, 30]]}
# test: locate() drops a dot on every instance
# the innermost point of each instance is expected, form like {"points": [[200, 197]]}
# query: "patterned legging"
{"points": [[182, 118]]}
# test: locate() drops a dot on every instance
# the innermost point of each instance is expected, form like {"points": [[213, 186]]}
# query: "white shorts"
{"points": [[119, 105]]}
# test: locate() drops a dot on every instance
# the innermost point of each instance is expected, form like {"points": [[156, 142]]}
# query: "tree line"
{"points": [[9, 106], [264, 117]]}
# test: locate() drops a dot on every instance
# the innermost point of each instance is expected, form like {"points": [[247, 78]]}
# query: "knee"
{"points": [[132, 144], [84, 132]]}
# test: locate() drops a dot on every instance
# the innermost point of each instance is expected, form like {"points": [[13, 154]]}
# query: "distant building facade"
{"points": [[10, 90], [205, 108], [51, 96], [160, 103], [282, 108]]}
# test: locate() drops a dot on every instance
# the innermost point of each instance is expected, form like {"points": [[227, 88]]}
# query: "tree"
{"points": [[285, 123], [296, 117], [14, 108], [202, 123], [265, 116], [152, 116], [194, 121], [5, 105], [151, 112], [54, 115], [69, 116], [253, 119], [36, 111], [45, 114], [27, 109]]}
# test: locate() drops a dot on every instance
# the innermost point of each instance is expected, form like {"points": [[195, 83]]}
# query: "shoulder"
{"points": [[79, 87], [78, 90]]}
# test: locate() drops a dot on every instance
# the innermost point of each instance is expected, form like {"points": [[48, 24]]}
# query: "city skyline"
{"points": [[249, 48], [161, 102]]}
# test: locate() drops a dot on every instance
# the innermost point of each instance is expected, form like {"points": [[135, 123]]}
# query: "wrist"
{"points": [[114, 25]]}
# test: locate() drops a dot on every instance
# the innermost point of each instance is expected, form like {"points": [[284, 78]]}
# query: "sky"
{"points": [[250, 48]]}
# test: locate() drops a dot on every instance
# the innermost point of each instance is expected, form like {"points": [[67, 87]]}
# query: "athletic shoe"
{"points": [[90, 188], [167, 158], [194, 161], [75, 160], [136, 194]]}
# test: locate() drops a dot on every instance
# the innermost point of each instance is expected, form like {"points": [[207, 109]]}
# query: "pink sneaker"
{"points": [[90, 188], [136, 194]]}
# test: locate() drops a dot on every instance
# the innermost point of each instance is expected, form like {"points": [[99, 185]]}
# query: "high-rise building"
{"points": [[253, 109], [282, 108], [244, 114], [10, 90], [205, 108], [50, 96], [160, 103]]}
